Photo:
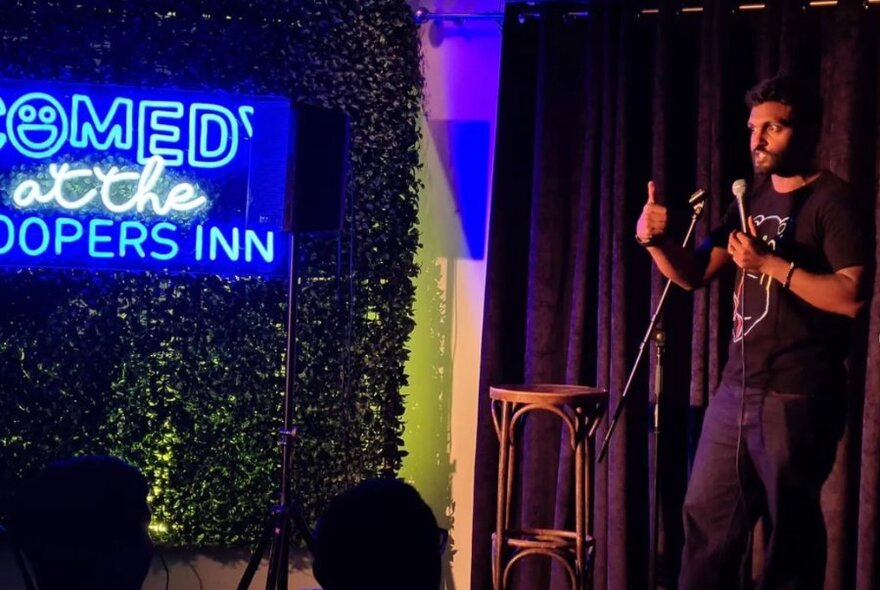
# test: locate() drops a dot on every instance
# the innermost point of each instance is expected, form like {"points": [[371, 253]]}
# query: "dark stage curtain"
{"points": [[592, 106]]}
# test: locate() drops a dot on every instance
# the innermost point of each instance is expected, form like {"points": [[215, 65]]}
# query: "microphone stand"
{"points": [[659, 354], [653, 333]]}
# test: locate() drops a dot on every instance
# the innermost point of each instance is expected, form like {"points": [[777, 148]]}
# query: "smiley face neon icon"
{"points": [[37, 125]]}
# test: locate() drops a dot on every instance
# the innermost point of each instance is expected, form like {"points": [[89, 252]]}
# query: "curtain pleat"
{"points": [[867, 546]]}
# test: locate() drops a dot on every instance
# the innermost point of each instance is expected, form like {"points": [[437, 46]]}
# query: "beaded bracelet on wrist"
{"points": [[787, 282]]}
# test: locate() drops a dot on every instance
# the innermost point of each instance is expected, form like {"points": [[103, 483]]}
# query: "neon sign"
{"points": [[125, 178]]}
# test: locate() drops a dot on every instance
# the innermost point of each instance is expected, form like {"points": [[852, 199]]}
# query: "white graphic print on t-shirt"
{"points": [[770, 228]]}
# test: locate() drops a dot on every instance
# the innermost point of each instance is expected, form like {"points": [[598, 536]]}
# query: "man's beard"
{"points": [[765, 162], [786, 163]]}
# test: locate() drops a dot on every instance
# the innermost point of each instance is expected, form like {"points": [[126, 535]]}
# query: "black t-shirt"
{"points": [[791, 346]]}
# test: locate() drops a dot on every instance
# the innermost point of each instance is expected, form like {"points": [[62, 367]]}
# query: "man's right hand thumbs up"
{"points": [[652, 221]]}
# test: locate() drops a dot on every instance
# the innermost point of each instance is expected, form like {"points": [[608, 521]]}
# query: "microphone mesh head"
{"points": [[739, 188]]}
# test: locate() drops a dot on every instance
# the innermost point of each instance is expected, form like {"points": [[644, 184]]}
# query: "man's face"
{"points": [[771, 137]]}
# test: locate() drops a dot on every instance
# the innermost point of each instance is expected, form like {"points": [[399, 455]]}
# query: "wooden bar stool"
{"points": [[580, 409]]}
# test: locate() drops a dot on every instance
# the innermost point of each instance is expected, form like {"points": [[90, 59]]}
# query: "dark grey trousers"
{"points": [[787, 449]]}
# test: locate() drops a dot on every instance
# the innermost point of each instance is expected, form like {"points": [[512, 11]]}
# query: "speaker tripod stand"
{"points": [[313, 205], [286, 516]]}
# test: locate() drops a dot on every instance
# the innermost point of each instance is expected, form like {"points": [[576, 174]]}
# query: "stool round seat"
{"points": [[580, 408], [549, 393]]}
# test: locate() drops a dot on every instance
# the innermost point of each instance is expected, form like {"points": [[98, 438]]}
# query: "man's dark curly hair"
{"points": [[804, 102]]}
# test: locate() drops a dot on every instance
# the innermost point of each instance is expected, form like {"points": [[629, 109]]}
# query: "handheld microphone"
{"points": [[739, 192]]}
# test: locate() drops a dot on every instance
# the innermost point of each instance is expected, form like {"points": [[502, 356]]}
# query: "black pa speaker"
{"points": [[317, 176]]}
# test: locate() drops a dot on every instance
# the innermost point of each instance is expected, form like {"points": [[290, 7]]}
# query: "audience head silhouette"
{"points": [[82, 524], [379, 534]]}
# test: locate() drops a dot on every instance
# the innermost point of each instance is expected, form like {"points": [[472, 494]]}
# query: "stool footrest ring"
{"points": [[550, 539]]}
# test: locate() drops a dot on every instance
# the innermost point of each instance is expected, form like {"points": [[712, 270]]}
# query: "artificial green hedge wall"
{"points": [[183, 375]]}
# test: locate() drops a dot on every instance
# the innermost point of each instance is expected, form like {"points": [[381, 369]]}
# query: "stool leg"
{"points": [[502, 510], [511, 472], [589, 424]]}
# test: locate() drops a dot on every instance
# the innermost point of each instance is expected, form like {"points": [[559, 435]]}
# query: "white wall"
{"points": [[461, 67]]}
